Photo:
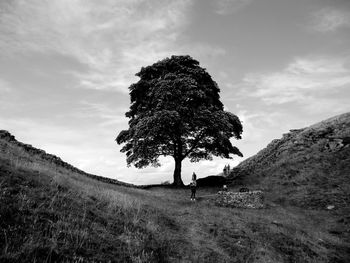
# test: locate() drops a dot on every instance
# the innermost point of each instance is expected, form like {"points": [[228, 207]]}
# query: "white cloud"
{"points": [[299, 81], [259, 128], [330, 19], [329, 105], [4, 86], [6, 96], [226, 7], [114, 38], [103, 114]]}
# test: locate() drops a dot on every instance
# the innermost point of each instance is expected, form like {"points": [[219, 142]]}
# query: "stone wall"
{"points": [[253, 199]]}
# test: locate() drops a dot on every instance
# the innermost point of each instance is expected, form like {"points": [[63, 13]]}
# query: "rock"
{"points": [[253, 199]]}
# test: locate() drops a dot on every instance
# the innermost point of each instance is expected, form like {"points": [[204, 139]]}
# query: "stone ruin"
{"points": [[252, 199]]}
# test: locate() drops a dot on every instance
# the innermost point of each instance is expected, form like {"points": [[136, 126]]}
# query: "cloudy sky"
{"points": [[66, 65]]}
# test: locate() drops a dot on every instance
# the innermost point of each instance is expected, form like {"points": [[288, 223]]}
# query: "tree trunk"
{"points": [[177, 173]]}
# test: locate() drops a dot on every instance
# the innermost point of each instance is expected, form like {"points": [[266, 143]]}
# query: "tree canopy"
{"points": [[176, 111]]}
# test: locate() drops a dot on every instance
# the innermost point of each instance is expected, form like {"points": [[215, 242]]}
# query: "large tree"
{"points": [[176, 111]]}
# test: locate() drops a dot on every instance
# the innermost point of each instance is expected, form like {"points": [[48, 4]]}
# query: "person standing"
{"points": [[193, 187], [194, 176]]}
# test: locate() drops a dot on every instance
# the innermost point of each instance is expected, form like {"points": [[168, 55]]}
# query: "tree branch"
{"points": [[200, 136]]}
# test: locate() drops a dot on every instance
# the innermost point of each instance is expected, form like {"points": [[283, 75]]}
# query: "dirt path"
{"points": [[202, 232], [274, 234]]}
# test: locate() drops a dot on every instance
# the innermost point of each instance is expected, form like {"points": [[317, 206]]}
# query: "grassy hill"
{"points": [[308, 167], [53, 212]]}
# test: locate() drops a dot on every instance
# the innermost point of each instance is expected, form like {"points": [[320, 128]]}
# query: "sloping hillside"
{"points": [[25, 155], [51, 212], [308, 167]]}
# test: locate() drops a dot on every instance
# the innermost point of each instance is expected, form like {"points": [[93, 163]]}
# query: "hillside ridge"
{"points": [[314, 159], [19, 153]]}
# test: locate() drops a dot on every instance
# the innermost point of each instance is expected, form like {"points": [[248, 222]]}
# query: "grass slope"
{"points": [[309, 167], [48, 219], [51, 214]]}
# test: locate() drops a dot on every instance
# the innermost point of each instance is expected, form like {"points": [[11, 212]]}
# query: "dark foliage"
{"points": [[176, 111], [211, 181]]}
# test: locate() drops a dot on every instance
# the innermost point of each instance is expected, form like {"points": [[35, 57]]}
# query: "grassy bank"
{"points": [[51, 218]]}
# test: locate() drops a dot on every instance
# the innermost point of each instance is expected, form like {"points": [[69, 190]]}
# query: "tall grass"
{"points": [[52, 215]]}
